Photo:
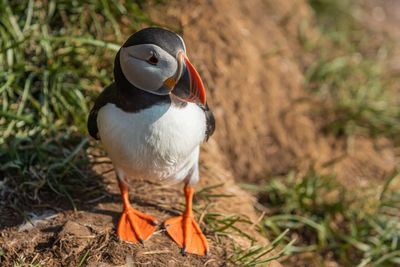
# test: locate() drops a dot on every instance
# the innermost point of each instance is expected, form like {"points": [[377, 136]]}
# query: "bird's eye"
{"points": [[153, 60]]}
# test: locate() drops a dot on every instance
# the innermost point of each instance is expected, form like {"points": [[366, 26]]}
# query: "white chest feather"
{"points": [[161, 142]]}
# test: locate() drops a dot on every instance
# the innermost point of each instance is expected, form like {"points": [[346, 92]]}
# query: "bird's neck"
{"points": [[132, 99]]}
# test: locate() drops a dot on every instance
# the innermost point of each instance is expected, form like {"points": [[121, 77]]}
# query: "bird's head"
{"points": [[154, 60]]}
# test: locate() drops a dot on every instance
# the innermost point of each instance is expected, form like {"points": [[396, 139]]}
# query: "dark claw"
{"points": [[206, 252], [184, 251], [141, 241], [154, 222], [166, 226]]}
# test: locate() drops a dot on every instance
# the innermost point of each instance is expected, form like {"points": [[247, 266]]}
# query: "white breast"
{"points": [[160, 143]]}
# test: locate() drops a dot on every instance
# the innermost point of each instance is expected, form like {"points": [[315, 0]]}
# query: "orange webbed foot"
{"points": [[135, 226], [187, 234], [185, 231]]}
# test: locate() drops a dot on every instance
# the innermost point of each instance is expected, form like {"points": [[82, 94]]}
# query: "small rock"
{"points": [[74, 229]]}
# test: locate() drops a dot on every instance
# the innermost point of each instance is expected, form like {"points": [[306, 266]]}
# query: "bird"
{"points": [[151, 121]]}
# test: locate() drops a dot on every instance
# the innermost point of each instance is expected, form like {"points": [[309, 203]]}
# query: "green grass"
{"points": [[350, 94], [83, 258], [336, 16], [226, 225], [55, 57], [359, 228], [22, 263], [257, 255], [355, 96], [347, 77]]}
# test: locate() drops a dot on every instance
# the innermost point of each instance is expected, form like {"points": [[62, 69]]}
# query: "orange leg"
{"points": [[185, 231], [134, 226]]}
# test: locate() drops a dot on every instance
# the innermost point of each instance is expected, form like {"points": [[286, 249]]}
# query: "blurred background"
{"points": [[306, 99]]}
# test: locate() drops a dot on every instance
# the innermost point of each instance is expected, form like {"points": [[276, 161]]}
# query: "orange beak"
{"points": [[189, 88]]}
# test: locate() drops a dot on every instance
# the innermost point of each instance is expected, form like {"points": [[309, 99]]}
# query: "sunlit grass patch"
{"points": [[221, 224], [353, 96], [257, 255], [336, 16], [347, 77], [359, 228], [226, 225]]}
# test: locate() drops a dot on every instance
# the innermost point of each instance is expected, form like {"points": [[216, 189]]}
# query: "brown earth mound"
{"points": [[248, 54], [250, 57]]}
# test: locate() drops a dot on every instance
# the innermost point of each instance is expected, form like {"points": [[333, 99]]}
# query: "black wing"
{"points": [[210, 122], [107, 96]]}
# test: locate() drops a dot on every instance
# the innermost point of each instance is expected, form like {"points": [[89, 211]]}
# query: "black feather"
{"points": [[109, 95], [210, 122]]}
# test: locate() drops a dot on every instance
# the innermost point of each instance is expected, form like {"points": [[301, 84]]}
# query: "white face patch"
{"points": [[142, 74]]}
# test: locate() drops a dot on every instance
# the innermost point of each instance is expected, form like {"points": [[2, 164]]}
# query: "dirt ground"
{"points": [[248, 55], [64, 237]]}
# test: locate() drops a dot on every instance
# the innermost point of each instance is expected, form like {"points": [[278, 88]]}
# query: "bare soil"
{"points": [[65, 237], [248, 55]]}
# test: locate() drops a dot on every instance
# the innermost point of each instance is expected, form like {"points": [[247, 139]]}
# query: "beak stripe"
{"points": [[197, 92]]}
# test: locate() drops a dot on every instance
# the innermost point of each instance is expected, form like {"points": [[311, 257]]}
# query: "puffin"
{"points": [[151, 121]]}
